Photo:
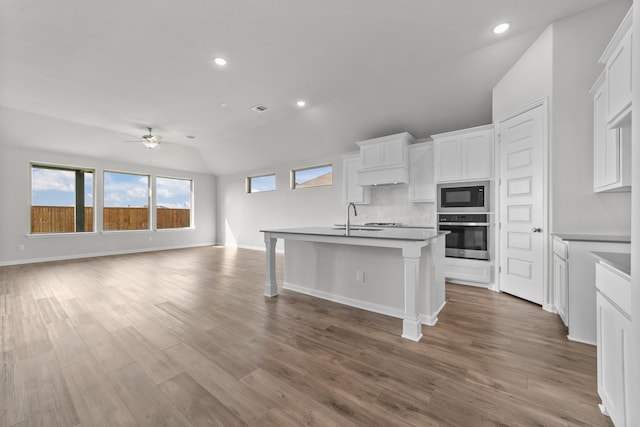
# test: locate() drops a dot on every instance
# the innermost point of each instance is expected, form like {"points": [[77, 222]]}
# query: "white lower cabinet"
{"points": [[468, 271], [561, 288], [614, 352], [574, 282]]}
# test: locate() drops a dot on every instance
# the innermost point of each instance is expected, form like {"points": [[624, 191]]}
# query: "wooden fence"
{"points": [[61, 219]]}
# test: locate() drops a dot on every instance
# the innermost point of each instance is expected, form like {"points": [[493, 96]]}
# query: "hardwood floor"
{"points": [[186, 337]]}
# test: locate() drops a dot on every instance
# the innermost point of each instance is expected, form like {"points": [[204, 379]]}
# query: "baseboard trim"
{"points": [[363, 305], [99, 254]]}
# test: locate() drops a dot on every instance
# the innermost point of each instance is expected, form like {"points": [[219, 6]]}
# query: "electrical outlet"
{"points": [[360, 276], [149, 239], [20, 247]]}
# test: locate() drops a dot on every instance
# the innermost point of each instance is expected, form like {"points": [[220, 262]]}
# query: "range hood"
{"points": [[384, 160]]}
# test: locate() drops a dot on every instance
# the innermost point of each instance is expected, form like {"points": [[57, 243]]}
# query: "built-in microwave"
{"points": [[464, 197]]}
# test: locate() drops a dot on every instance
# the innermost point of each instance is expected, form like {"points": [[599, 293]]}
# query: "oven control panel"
{"points": [[464, 218]]}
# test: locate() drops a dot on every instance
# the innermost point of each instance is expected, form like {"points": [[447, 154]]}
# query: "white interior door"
{"points": [[522, 148]]}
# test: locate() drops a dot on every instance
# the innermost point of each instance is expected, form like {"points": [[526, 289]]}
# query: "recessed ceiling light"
{"points": [[301, 103], [220, 61], [501, 28]]}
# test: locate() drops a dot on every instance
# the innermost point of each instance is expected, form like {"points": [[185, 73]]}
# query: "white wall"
{"points": [[241, 215], [529, 80], [578, 43], [15, 201], [563, 65], [634, 375]]}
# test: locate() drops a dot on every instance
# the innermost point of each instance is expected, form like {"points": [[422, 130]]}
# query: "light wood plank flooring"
{"points": [[186, 337]]}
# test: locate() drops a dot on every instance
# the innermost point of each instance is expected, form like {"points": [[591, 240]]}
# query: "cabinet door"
{"points": [[370, 156], [561, 289], [476, 155], [352, 192], [606, 144], [447, 158], [619, 78], [421, 177], [613, 359]]}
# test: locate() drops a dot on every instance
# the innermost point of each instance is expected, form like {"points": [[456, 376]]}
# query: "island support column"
{"points": [[271, 286], [411, 323]]}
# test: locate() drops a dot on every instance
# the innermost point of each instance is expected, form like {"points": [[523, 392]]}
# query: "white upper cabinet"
{"points": [[618, 71], [612, 114], [422, 187], [384, 160], [351, 192], [464, 155]]}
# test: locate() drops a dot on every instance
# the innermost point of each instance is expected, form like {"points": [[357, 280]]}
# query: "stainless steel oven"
{"points": [[468, 237], [463, 197]]}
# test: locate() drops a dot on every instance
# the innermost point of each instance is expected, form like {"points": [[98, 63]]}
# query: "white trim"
{"points": [[398, 313], [99, 254], [432, 320], [369, 306], [570, 338], [544, 103]]}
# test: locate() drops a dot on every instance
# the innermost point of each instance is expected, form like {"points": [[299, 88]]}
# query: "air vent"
{"points": [[259, 108]]}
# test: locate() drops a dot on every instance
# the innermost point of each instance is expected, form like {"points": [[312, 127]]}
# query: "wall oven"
{"points": [[468, 237], [463, 197]]}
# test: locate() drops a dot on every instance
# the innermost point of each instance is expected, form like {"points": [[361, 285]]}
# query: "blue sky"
{"points": [[51, 187], [307, 174]]}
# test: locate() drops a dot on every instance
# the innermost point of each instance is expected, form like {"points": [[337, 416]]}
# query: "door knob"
{"points": [[536, 230]]}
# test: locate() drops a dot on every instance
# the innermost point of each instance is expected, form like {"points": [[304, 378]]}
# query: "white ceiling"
{"points": [[76, 74]]}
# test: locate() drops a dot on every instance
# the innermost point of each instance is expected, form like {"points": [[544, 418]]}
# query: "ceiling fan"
{"points": [[150, 140]]}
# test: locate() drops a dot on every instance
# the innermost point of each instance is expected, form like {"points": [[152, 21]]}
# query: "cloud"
{"points": [[51, 179]]}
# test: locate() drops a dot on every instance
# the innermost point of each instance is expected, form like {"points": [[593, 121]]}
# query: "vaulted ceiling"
{"points": [[75, 75]]}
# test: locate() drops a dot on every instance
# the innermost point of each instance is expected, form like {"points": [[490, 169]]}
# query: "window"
{"points": [[316, 176], [173, 203], [258, 184], [126, 201], [61, 199]]}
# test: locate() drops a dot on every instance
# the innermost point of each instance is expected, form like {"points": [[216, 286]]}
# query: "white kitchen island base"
{"points": [[395, 276]]}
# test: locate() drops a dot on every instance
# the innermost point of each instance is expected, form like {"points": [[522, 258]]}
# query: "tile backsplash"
{"points": [[390, 203]]}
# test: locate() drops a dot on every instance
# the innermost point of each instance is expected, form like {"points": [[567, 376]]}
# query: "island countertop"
{"points": [[393, 233]]}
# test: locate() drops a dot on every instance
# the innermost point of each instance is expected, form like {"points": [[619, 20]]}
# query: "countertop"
{"points": [[391, 233], [621, 262], [593, 237]]}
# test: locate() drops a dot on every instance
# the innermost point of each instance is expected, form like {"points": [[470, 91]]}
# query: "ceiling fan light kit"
{"points": [[151, 141]]}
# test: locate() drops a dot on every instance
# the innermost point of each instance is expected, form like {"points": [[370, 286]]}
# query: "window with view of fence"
{"points": [[61, 219]]}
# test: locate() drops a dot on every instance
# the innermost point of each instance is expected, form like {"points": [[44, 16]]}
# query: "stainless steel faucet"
{"points": [[348, 222]]}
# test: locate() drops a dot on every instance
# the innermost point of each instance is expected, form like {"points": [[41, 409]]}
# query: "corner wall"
{"points": [[578, 43], [15, 202], [562, 65]]}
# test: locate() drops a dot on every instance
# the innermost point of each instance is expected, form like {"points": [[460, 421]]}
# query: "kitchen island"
{"points": [[393, 271]]}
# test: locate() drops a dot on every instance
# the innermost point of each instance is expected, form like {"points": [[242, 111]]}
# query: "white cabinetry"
{"points": [[384, 160], [617, 60], [614, 352], [612, 114], [464, 155], [422, 186], [574, 281], [560, 280], [473, 272], [352, 193]]}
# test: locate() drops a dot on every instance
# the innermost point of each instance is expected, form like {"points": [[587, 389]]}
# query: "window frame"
{"points": [[248, 186], [293, 172], [150, 201], [66, 168], [191, 202]]}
